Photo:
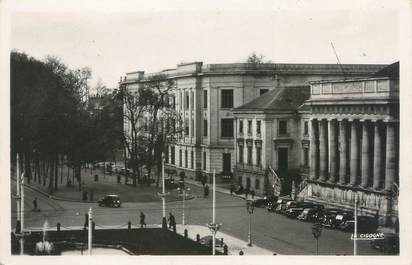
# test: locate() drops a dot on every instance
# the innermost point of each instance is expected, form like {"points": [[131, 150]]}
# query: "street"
{"points": [[271, 231]]}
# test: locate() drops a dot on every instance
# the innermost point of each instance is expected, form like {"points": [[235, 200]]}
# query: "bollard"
{"points": [[225, 250], [197, 238], [241, 253], [58, 227], [185, 233], [129, 225], [93, 226]]}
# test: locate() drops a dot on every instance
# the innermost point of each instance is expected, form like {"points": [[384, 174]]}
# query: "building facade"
{"points": [[205, 96], [342, 141]]}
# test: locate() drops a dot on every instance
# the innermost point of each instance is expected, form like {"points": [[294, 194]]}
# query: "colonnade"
{"points": [[354, 152]]}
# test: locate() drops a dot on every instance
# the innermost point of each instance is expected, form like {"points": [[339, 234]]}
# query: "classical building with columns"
{"points": [[338, 138], [206, 94], [354, 142]]}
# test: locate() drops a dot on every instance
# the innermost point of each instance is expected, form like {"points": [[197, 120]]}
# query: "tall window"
{"points": [[306, 128], [205, 128], [192, 161], [283, 127], [258, 156], [240, 126], [249, 127], [305, 157], [249, 155], [187, 127], [186, 158], [205, 99], [192, 123], [167, 154], [204, 160], [241, 154], [180, 158], [227, 127], [257, 184], [263, 91], [227, 98], [172, 155], [258, 123], [187, 100]]}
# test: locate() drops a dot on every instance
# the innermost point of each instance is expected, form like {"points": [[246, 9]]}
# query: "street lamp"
{"points": [[163, 194], [317, 231], [250, 205], [183, 192]]}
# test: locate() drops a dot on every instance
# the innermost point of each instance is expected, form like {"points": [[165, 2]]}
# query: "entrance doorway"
{"points": [[283, 160], [226, 163]]}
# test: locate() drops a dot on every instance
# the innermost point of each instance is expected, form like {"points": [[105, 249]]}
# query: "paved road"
{"points": [[271, 231]]}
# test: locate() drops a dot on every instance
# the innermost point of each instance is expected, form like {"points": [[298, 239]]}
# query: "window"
{"points": [[192, 161], [257, 184], [181, 100], [263, 91], [258, 156], [172, 155], [205, 99], [283, 127], [187, 127], [204, 160], [249, 127], [240, 126], [227, 127], [180, 158], [205, 128], [249, 155], [192, 123], [227, 98], [186, 158], [306, 157], [258, 127], [187, 100], [241, 154], [306, 128]]}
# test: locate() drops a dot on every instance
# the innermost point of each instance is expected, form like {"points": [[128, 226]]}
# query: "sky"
{"points": [[116, 37]]}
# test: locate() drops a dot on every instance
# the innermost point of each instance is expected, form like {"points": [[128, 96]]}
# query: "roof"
{"points": [[284, 98], [391, 71]]}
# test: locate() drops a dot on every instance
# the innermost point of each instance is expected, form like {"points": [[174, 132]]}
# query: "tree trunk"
{"points": [[56, 173], [51, 190]]}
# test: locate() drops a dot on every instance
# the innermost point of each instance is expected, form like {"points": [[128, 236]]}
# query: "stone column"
{"points": [[354, 159], [313, 148], [323, 149], [343, 152], [377, 157], [332, 151], [390, 162], [365, 155]]}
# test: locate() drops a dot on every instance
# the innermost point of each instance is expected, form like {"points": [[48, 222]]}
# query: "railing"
{"points": [[250, 167], [277, 184]]}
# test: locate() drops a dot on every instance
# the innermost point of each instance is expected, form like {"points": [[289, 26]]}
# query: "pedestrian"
{"points": [[86, 220], [246, 193], [232, 189], [172, 221], [252, 193], [35, 204], [206, 190], [142, 220]]}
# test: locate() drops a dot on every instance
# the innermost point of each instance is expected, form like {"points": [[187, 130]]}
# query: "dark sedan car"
{"points": [[328, 217], [310, 214], [110, 201], [297, 209], [366, 224]]}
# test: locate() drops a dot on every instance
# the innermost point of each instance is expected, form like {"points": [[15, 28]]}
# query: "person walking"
{"points": [[232, 189], [142, 220], [172, 221], [252, 193], [206, 190]]}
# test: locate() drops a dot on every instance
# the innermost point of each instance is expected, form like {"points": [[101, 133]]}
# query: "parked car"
{"points": [[239, 190], [342, 217], [328, 217], [366, 224], [281, 204], [388, 245], [295, 211], [262, 202], [110, 201], [310, 214]]}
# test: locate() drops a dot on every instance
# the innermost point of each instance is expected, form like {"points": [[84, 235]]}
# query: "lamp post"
{"points": [[90, 235], [213, 226], [355, 232], [163, 194], [250, 207], [183, 192], [317, 231]]}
